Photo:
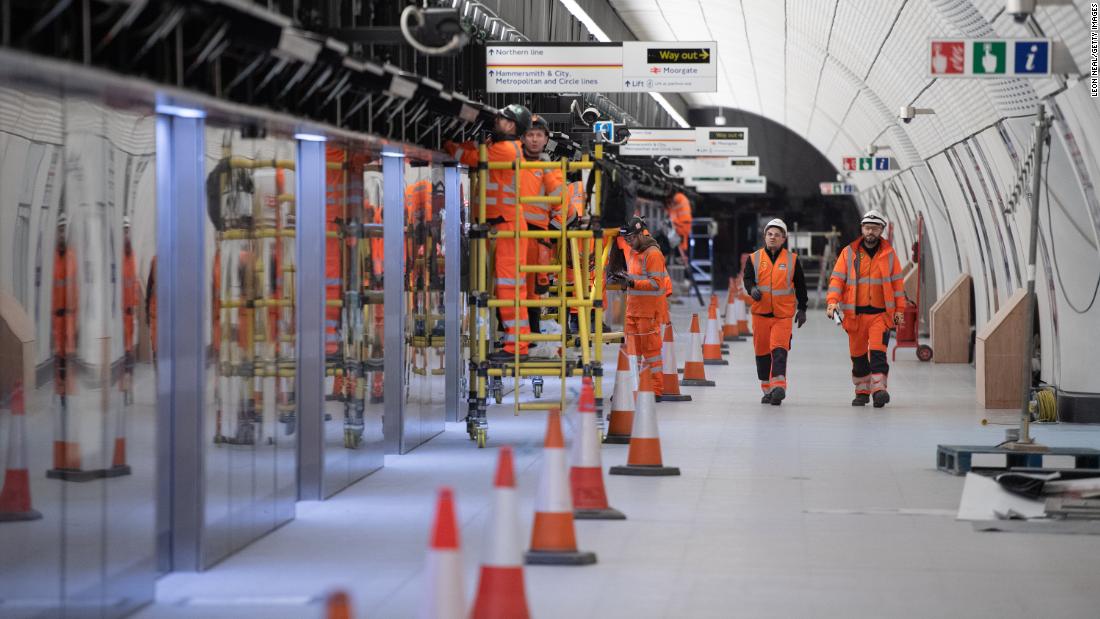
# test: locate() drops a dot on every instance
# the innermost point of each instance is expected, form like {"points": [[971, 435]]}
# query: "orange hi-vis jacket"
{"points": [[65, 301], [776, 283], [500, 191], [541, 183], [680, 215], [860, 280], [131, 294], [648, 275]]}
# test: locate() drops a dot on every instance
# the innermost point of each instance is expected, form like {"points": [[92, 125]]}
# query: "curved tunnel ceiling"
{"points": [[837, 72]]}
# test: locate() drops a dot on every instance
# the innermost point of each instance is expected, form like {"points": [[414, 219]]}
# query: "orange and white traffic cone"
{"points": [[694, 376], [742, 301], [669, 371], [621, 418], [337, 606], [644, 457], [444, 589], [15, 497], [119, 467], [500, 589], [586, 474], [730, 331], [712, 344], [553, 538]]}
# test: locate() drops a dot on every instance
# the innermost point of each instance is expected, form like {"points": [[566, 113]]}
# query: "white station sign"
{"points": [[633, 66], [714, 166], [716, 184], [727, 141]]}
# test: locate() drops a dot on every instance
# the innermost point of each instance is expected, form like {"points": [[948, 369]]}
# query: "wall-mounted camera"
{"points": [[435, 31], [907, 113]]}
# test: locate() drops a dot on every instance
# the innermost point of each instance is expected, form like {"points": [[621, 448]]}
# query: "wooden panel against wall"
{"points": [[999, 354], [950, 319], [16, 345]]}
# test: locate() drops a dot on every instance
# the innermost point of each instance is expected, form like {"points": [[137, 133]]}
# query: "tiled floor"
{"points": [[812, 509]]}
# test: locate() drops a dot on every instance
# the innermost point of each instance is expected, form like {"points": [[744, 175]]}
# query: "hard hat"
{"points": [[634, 225], [538, 122], [518, 114], [126, 221], [776, 223], [873, 217]]}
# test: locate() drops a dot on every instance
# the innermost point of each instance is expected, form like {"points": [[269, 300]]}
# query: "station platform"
{"points": [[813, 508]]}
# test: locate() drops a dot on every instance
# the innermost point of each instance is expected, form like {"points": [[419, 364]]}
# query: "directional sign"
{"points": [[714, 166], [633, 66], [748, 184], [996, 58], [837, 189], [731, 141]]}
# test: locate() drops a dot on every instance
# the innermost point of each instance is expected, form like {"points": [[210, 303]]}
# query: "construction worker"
{"points": [[131, 295], [679, 213], [773, 276], [64, 304], [500, 196], [646, 306], [538, 216], [866, 287]]}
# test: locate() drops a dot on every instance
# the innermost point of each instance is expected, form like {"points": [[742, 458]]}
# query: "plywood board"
{"points": [[999, 354], [16, 344], [950, 321]]}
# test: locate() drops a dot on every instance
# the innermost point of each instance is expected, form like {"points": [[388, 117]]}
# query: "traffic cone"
{"points": [[742, 301], [553, 539], [443, 572], [694, 376], [15, 497], [118, 456], [621, 417], [730, 330], [500, 589], [586, 474], [644, 457], [337, 606], [669, 375], [712, 345]]}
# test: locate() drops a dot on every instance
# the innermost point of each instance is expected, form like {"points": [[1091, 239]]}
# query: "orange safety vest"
{"points": [[860, 280], [130, 295], [776, 281], [541, 183], [64, 302], [680, 215], [500, 190], [648, 275]]}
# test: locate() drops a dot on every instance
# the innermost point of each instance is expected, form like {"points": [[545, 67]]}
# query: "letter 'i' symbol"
{"points": [[1031, 57]]}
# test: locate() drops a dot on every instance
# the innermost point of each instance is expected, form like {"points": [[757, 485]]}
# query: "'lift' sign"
{"points": [[998, 58]]}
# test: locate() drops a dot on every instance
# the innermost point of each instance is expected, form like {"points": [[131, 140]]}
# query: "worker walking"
{"points": [[645, 281], [500, 201], [773, 276], [539, 216], [679, 213], [866, 286]]}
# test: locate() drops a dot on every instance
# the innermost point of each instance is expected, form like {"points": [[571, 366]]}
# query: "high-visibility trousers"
{"points": [[644, 340], [537, 253], [509, 284], [868, 339], [771, 340]]}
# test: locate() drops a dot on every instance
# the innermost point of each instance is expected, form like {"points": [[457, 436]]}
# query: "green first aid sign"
{"points": [[990, 58]]}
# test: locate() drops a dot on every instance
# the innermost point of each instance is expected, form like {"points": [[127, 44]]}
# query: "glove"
{"points": [[899, 318], [800, 318], [756, 294], [830, 309]]}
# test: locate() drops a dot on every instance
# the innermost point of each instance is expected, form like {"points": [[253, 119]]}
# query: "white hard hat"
{"points": [[776, 223], [126, 221], [874, 217]]}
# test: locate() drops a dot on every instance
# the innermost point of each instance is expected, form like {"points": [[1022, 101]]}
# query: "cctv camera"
{"points": [[1020, 10], [590, 115], [906, 113]]}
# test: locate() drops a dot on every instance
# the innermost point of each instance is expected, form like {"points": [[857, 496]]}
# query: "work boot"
{"points": [[861, 399], [881, 398], [777, 396], [767, 399]]}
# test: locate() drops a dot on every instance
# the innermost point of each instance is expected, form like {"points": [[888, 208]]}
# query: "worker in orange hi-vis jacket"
{"points": [[64, 306], [500, 197], [574, 212], [867, 288], [646, 303], [679, 213], [539, 216], [131, 296], [775, 281]]}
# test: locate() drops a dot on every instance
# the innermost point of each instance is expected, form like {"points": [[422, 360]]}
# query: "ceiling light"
{"points": [[310, 137], [182, 112]]}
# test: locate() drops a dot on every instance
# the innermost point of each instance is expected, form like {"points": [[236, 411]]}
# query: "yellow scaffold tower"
{"points": [[585, 296]]}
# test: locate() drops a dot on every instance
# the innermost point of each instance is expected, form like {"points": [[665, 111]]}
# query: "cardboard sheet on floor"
{"points": [[985, 499]]}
